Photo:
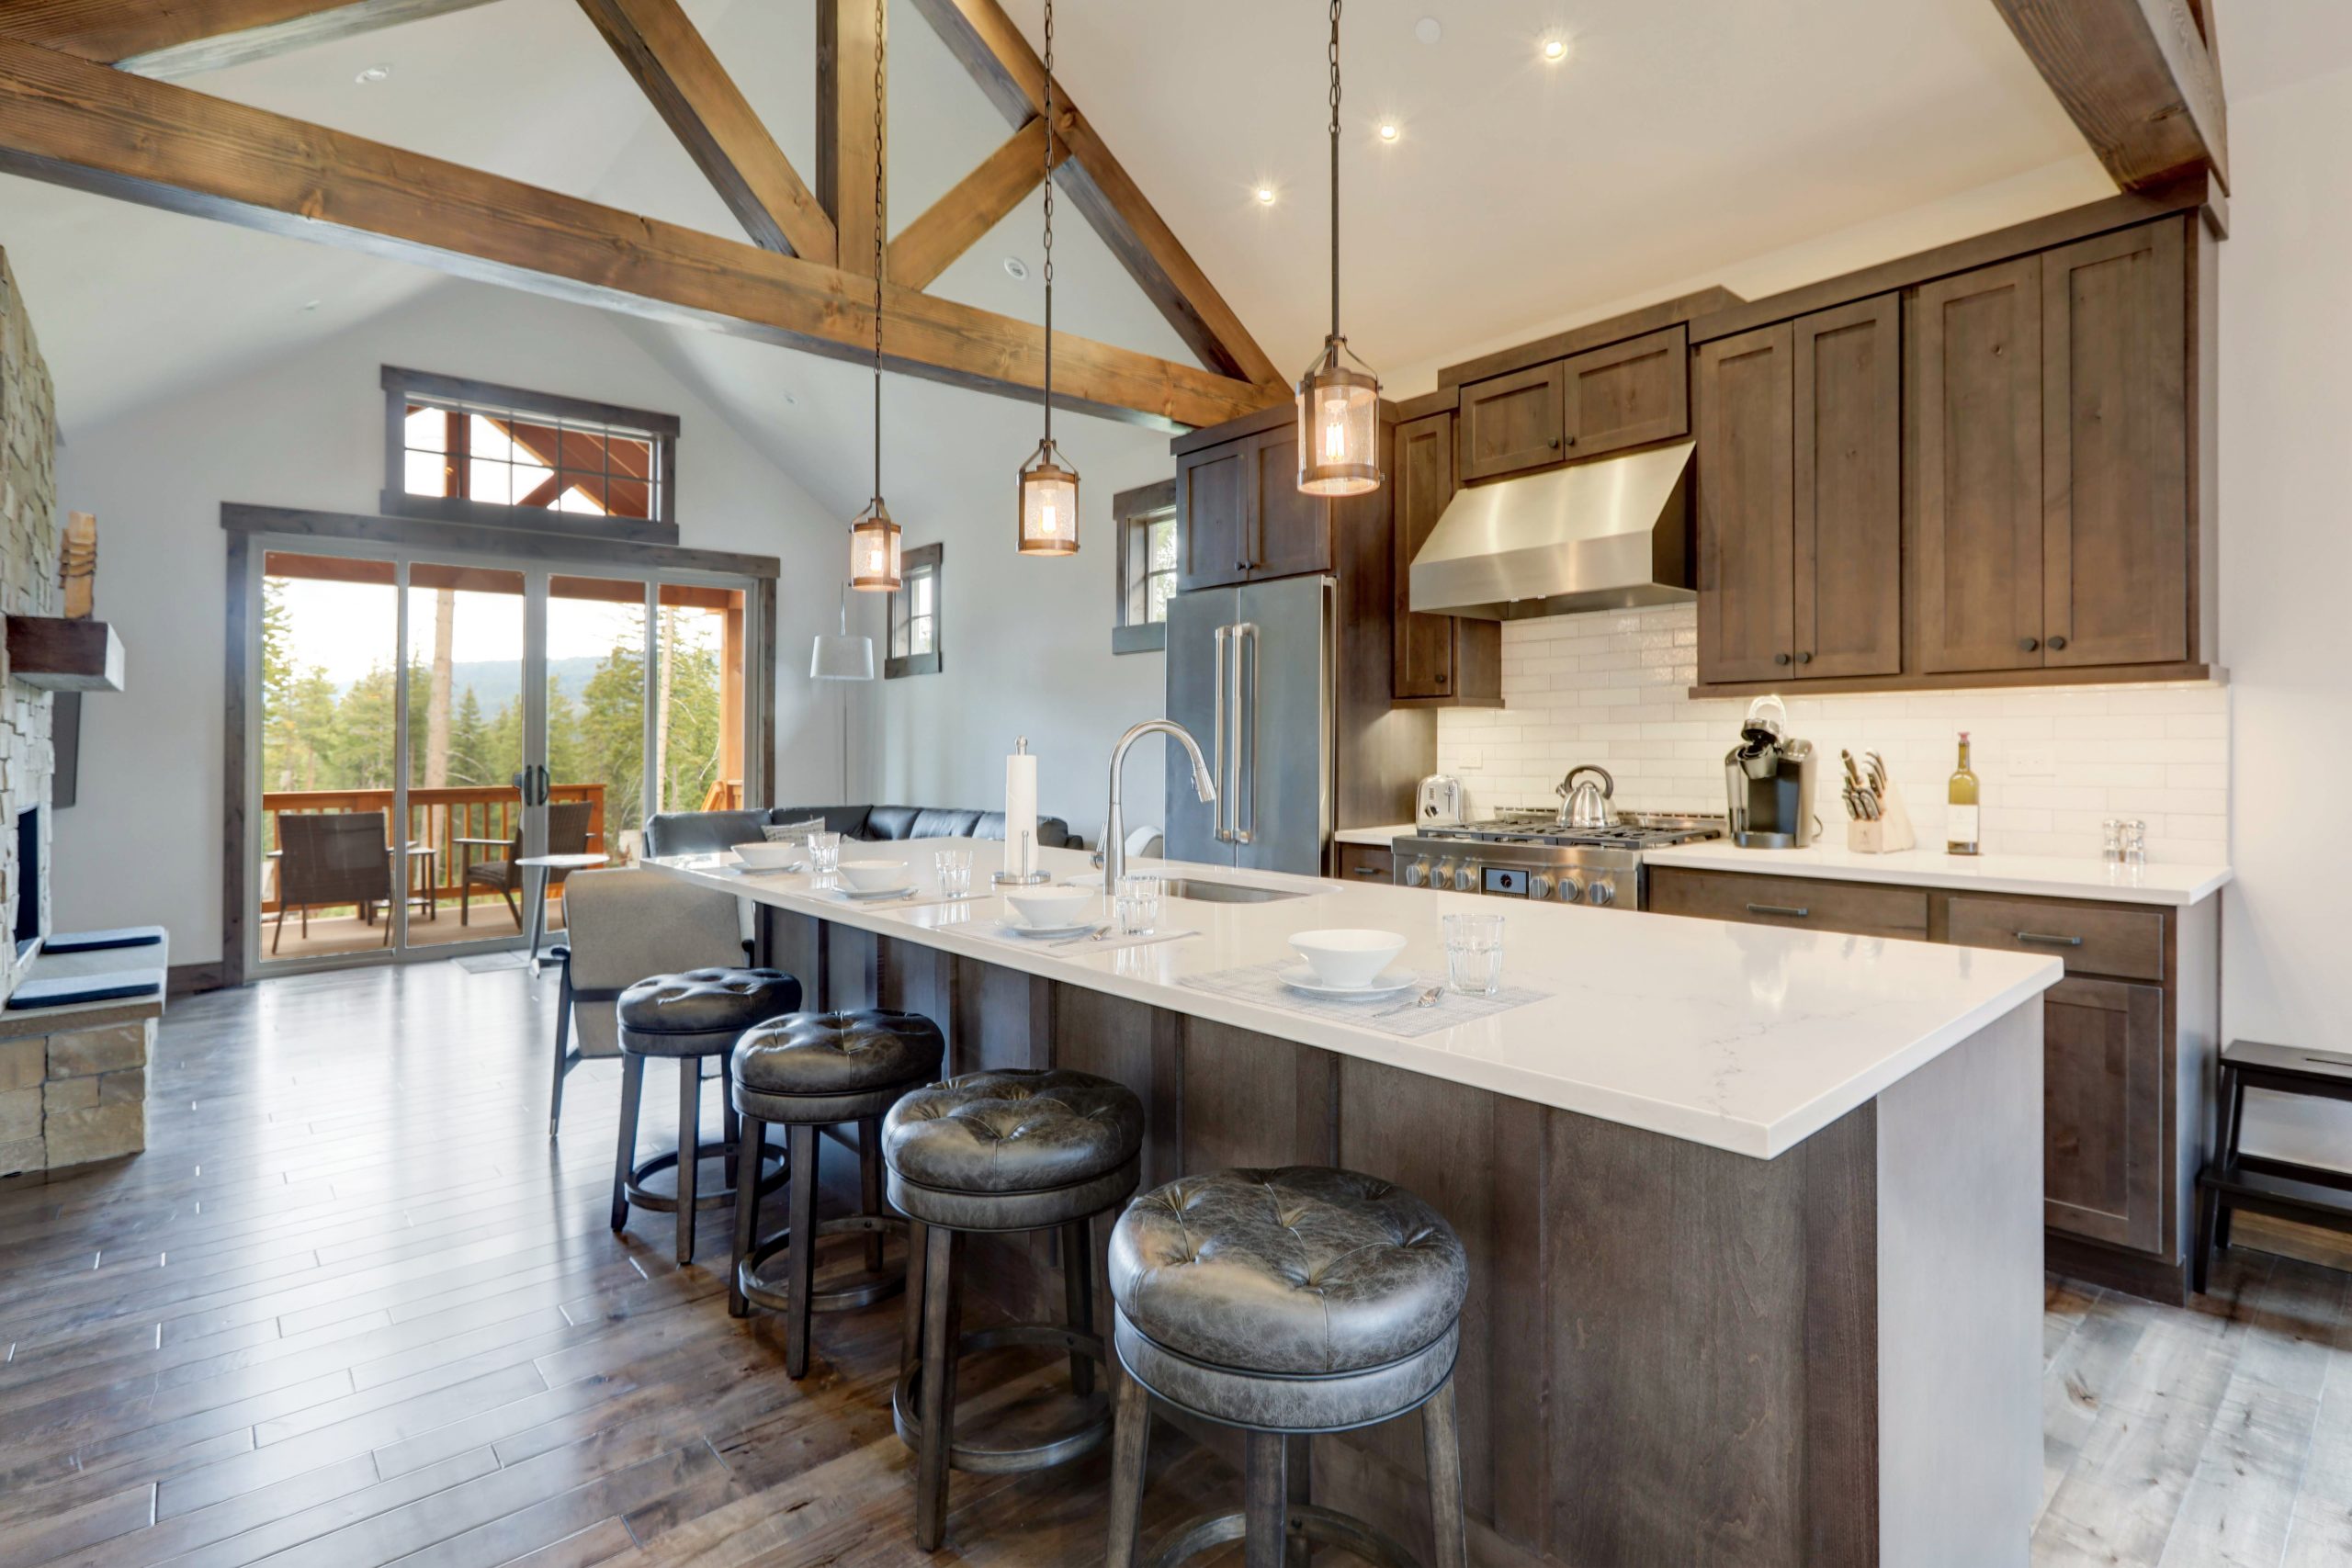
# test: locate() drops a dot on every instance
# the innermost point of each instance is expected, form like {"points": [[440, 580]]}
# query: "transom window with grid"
{"points": [[471, 452], [914, 615]]}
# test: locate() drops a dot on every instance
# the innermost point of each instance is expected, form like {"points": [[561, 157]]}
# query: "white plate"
{"points": [[1017, 929], [878, 892], [1301, 977], [740, 869]]}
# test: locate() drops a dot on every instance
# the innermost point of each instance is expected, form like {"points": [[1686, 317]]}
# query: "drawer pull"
{"points": [[2037, 940], [1370, 871], [1793, 911]]}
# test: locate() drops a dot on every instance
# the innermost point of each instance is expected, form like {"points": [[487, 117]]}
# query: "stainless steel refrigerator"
{"points": [[1251, 674]]}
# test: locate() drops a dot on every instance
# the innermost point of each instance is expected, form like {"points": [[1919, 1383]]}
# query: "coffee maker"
{"points": [[1768, 782]]}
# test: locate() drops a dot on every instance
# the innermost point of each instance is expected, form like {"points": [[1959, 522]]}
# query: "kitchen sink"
{"points": [[1224, 892]]}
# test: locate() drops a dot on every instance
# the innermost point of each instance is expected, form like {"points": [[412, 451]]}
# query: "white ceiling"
{"points": [[1676, 138]]}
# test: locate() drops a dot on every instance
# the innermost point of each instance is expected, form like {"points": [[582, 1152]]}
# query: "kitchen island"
{"points": [[1753, 1216]]}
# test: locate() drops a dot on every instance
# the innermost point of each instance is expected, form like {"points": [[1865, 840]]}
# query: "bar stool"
{"points": [[688, 1017], [1284, 1302], [1007, 1150], [2285, 1189], [808, 1071]]}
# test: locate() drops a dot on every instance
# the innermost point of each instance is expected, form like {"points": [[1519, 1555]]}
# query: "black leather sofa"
{"points": [[707, 832]]}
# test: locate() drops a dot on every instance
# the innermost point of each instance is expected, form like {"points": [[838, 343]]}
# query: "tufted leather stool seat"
{"points": [[804, 1072], [1286, 1301], [1013, 1149], [689, 1016]]}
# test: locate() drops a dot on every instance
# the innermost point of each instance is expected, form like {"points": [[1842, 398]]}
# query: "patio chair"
{"points": [[567, 835], [621, 925], [328, 858]]}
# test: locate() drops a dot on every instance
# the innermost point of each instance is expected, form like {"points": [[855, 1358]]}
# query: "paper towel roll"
{"points": [[1020, 808]]}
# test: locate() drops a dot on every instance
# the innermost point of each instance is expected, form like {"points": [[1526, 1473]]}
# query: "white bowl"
{"points": [[1347, 960], [874, 876], [770, 856], [1049, 906]]}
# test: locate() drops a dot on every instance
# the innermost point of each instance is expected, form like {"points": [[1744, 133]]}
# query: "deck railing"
{"points": [[437, 818]]}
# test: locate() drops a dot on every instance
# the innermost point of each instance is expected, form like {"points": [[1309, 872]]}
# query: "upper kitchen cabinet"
{"points": [[1440, 659], [1212, 495], [1514, 423], [1290, 531], [1239, 515], [1607, 399], [1746, 409]]}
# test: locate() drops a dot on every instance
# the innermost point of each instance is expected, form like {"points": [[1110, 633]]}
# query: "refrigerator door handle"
{"points": [[1245, 646], [1216, 739]]}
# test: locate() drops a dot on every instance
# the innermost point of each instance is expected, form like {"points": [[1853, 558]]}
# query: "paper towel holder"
{"points": [[1028, 875]]}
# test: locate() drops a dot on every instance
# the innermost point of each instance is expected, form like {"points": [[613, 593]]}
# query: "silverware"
{"points": [[1428, 999], [1092, 935]]}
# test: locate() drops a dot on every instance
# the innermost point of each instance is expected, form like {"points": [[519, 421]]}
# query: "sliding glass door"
{"points": [[425, 724]]}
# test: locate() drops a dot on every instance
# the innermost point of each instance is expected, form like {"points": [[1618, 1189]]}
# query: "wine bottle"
{"points": [[1961, 822]]}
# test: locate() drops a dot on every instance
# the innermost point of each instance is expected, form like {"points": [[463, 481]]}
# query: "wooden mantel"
{"points": [[61, 655]]}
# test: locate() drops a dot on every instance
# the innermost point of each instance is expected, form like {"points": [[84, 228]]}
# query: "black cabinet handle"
{"points": [[2057, 643], [1779, 659], [2039, 940], [1792, 911], [1371, 871], [1572, 440], [1804, 658], [2026, 645], [1556, 444]]}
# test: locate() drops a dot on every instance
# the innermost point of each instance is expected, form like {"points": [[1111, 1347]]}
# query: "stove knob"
{"points": [[1570, 889], [1442, 877], [1539, 886], [1467, 879], [1604, 890], [1418, 873]]}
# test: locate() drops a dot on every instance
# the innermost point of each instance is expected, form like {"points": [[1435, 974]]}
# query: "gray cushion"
{"points": [[1271, 1401], [890, 822], [1014, 1129], [934, 822], [705, 1001], [708, 832], [701, 832], [839, 1052], [1303, 1270]]}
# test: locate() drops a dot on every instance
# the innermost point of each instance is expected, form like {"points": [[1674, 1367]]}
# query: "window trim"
{"points": [[1145, 503], [925, 558], [401, 384]]}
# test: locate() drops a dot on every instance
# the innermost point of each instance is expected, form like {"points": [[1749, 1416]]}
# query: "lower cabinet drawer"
{"points": [[1362, 862], [2127, 942], [1800, 903]]}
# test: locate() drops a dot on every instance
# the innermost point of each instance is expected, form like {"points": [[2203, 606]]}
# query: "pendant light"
{"points": [[1338, 398], [839, 655], [1049, 513], [874, 542]]}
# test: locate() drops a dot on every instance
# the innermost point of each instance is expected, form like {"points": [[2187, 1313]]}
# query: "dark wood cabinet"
{"points": [[1290, 532], [1846, 557], [1440, 659], [1213, 494], [1746, 458], [1627, 394], [1362, 862], [2103, 1060], [1511, 423]]}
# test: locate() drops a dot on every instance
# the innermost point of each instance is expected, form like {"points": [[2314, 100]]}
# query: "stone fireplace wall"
{"points": [[29, 532]]}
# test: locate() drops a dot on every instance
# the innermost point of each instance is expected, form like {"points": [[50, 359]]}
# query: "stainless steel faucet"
{"points": [[1115, 835]]}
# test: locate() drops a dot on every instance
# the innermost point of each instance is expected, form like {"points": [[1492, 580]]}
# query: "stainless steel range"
{"points": [[1532, 855]]}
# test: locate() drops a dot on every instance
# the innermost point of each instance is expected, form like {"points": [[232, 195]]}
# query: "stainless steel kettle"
{"points": [[1587, 805]]}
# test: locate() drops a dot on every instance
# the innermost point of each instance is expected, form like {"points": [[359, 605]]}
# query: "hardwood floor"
{"points": [[353, 1306]]}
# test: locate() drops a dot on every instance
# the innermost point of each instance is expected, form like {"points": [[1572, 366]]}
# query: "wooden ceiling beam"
{"points": [[953, 224], [847, 150], [67, 121], [720, 132], [2138, 79], [993, 48], [170, 40]]}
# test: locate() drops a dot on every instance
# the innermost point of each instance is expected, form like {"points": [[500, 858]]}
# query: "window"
{"points": [[470, 452], [1144, 521], [914, 616]]}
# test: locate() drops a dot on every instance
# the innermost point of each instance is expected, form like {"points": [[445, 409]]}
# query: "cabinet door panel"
{"points": [[2115, 517], [2103, 1112], [1629, 394], [1424, 484], [1290, 531], [1515, 422], [1978, 486], [1848, 553], [1213, 515], [1745, 416]]}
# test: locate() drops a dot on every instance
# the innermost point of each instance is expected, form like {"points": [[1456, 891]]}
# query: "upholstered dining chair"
{"points": [[623, 924], [567, 835], [328, 858]]}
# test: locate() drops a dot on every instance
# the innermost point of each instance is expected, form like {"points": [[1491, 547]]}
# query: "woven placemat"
{"points": [[1396, 1015]]}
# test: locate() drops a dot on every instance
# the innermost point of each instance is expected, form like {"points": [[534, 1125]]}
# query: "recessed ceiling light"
{"points": [[1428, 30], [790, 401], [310, 305], [1265, 196], [1015, 268], [1555, 49], [1388, 130], [370, 76]]}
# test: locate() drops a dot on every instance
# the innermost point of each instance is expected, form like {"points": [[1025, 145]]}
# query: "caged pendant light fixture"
{"points": [[873, 540], [1049, 513], [1338, 398]]}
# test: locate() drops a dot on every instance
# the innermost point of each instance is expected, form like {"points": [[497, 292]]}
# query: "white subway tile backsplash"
{"points": [[1611, 689]]}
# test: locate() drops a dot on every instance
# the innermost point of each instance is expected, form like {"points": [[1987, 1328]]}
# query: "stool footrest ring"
{"points": [[1305, 1521], [642, 1197], [860, 1289], [975, 1458]]}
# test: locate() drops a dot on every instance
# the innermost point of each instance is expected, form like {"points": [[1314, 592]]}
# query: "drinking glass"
{"points": [[1473, 954], [824, 854], [954, 868], [1134, 905]]}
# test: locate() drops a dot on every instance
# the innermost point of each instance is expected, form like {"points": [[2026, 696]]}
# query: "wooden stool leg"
{"points": [[2233, 1128], [689, 1152], [1130, 1448], [747, 1214], [632, 1092], [911, 1339], [936, 1397], [1077, 1298], [1265, 1500], [801, 1258], [1442, 1451], [2209, 1201], [869, 1184], [1298, 1471], [730, 1132]]}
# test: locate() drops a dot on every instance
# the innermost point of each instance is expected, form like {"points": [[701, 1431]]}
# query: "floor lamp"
{"points": [[837, 656]]}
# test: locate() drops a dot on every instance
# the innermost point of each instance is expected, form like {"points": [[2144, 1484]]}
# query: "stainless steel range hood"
{"points": [[1609, 535]]}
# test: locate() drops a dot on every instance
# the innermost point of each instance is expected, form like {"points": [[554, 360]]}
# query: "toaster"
{"points": [[1440, 802]]}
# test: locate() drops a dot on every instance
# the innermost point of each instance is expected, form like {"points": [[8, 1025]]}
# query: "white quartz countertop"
{"points": [[1379, 837], [2042, 875], [1747, 1038]]}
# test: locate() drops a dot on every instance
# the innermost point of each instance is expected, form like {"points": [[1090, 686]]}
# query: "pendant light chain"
{"points": [[881, 48], [1338, 398], [1335, 168], [875, 538], [1049, 223]]}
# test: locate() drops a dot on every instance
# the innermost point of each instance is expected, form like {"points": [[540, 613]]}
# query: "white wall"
{"points": [[144, 844]]}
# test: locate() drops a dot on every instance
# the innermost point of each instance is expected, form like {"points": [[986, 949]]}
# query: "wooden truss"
{"points": [[88, 100], [2138, 77]]}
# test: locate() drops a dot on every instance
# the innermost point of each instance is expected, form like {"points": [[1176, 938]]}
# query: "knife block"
{"points": [[1892, 832]]}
